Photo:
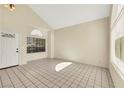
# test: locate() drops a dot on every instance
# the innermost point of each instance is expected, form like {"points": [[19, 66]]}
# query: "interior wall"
{"points": [[116, 67], [50, 44], [22, 21], [86, 43]]}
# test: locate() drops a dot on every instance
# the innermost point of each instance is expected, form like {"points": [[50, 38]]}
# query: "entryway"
{"points": [[8, 49]]}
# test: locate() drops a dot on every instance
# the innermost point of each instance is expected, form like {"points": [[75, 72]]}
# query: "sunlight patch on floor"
{"points": [[62, 65]]}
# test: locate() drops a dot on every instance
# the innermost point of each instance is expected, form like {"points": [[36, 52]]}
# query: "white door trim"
{"points": [[17, 44]]}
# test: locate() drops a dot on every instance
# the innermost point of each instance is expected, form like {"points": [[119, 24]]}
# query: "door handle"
{"points": [[17, 50]]}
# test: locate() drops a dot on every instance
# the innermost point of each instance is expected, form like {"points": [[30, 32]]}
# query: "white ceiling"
{"points": [[59, 16]]}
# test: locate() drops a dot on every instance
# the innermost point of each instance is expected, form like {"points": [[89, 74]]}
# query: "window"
{"points": [[35, 45], [119, 48], [36, 42], [36, 32]]}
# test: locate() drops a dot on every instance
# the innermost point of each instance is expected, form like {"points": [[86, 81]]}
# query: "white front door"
{"points": [[8, 49]]}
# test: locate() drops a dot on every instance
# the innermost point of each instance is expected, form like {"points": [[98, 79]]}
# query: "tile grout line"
{"points": [[40, 74], [95, 78], [43, 72], [27, 77], [18, 78], [67, 79], [89, 77], [34, 76], [101, 77], [37, 71], [107, 79], [1, 82], [85, 73], [64, 82], [86, 68], [9, 78], [72, 75], [15, 79], [110, 78], [75, 77]]}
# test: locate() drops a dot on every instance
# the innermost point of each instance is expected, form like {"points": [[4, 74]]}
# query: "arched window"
{"points": [[36, 32]]}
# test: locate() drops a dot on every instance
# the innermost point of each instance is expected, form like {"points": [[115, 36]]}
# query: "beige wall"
{"points": [[23, 20], [50, 44], [86, 43]]}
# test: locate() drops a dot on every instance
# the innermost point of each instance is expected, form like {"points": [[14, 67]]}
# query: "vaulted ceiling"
{"points": [[59, 16]]}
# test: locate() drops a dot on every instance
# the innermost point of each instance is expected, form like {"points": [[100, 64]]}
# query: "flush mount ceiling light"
{"points": [[11, 7]]}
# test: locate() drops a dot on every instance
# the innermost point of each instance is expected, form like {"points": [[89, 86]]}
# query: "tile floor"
{"points": [[42, 74]]}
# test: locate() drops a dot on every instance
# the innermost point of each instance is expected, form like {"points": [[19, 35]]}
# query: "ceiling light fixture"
{"points": [[11, 7]]}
